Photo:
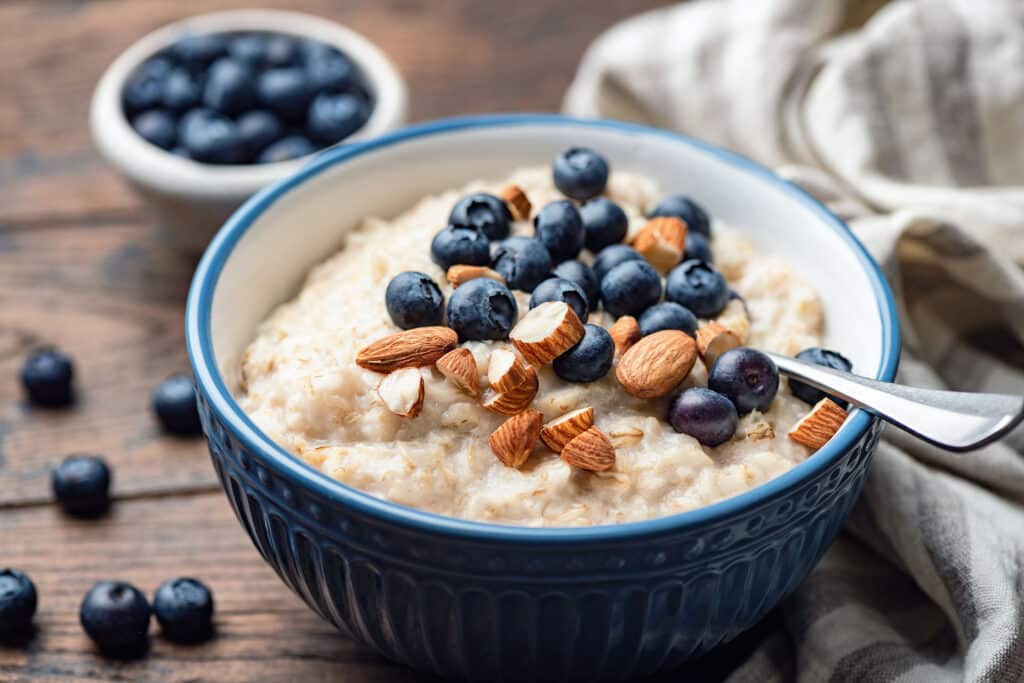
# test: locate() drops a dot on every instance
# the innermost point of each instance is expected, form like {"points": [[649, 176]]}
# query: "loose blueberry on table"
{"points": [[184, 610], [81, 485], [18, 601], [115, 615], [174, 403], [47, 377]]}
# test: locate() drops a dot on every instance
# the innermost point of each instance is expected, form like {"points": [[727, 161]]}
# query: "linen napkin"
{"points": [[907, 119]]}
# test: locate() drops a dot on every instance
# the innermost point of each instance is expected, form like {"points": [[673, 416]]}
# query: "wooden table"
{"points": [[83, 268]]}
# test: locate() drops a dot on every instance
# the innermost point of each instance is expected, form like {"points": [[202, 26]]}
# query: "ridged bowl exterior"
{"points": [[469, 609]]}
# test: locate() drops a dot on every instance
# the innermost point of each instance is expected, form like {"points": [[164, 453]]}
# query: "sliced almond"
{"points": [[505, 371], [546, 332], [713, 340], [459, 367], [590, 450], [461, 274], [662, 242], [625, 332], [516, 437], [819, 425], [564, 429], [657, 364], [402, 392], [411, 348], [517, 202], [515, 400]]}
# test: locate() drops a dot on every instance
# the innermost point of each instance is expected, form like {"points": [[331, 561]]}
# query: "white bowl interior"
{"points": [[310, 220]]}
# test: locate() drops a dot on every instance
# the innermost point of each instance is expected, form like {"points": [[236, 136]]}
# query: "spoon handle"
{"points": [[954, 420]]}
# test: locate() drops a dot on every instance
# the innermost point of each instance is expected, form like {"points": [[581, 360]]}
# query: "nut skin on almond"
{"points": [[713, 340], [402, 392], [461, 274], [819, 425], [515, 400], [657, 364], [459, 367], [506, 372], [517, 202], [662, 242], [408, 349], [513, 441], [546, 332], [590, 450], [625, 332], [563, 429]]}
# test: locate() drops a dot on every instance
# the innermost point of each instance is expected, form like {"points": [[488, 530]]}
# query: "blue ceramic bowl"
{"points": [[479, 601]]}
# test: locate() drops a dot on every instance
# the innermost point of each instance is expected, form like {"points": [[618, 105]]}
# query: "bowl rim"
{"points": [[149, 165], [212, 384]]}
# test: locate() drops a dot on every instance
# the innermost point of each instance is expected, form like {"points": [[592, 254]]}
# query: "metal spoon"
{"points": [[954, 420]]}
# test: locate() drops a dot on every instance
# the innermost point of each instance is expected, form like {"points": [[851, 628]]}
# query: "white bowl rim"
{"points": [[151, 166], [220, 400]]}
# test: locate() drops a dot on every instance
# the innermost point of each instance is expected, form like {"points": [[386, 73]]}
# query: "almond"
{"points": [[546, 332], [590, 450], [515, 400], [564, 429], [656, 364], [713, 340], [459, 367], [662, 242], [461, 274], [625, 332], [516, 437], [506, 372], [402, 392], [517, 202], [819, 425], [410, 348]]}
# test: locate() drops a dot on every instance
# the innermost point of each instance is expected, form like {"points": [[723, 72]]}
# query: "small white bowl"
{"points": [[190, 199]]}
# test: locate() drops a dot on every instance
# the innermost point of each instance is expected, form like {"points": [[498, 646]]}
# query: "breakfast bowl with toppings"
{"points": [[489, 393]]}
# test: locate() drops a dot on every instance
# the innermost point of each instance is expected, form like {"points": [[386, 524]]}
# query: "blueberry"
{"points": [[144, 88], [692, 213], [558, 289], [590, 359], [250, 49], [201, 50], [210, 137], [414, 300], [46, 376], [286, 91], [613, 256], [81, 484], [175, 406], [184, 609], [560, 229], [581, 274], [522, 261], [705, 415], [630, 288], [605, 223], [825, 358], [454, 246], [668, 316], [286, 149], [580, 173], [180, 151], [116, 616], [229, 87], [333, 118], [483, 212], [258, 129], [181, 90], [157, 127], [697, 285], [18, 601], [329, 69], [697, 247], [482, 309], [747, 377], [282, 50]]}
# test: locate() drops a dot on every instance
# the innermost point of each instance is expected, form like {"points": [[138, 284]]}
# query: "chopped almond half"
{"points": [[517, 202], [625, 332], [713, 340], [657, 364], [459, 367], [516, 437], [591, 451], [506, 372], [514, 400], [461, 274], [662, 242], [819, 425], [402, 392], [546, 332], [564, 429], [408, 349]]}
